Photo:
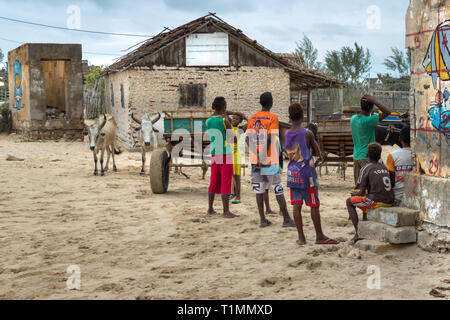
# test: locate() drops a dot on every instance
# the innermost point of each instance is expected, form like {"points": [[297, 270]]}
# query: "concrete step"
{"points": [[373, 245], [394, 216], [382, 232], [377, 246]]}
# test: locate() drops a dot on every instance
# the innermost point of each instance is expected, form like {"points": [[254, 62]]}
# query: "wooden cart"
{"points": [[177, 125], [336, 143]]}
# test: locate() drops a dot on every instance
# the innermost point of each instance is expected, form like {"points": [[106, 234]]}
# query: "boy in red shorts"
{"points": [[221, 157], [376, 188]]}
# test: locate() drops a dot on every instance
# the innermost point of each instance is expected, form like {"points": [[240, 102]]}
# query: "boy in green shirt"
{"points": [[221, 157], [363, 131]]}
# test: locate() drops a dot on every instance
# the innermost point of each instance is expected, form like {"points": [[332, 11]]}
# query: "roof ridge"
{"points": [[167, 36]]}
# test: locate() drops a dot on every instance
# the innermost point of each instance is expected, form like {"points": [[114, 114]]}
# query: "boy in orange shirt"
{"points": [[263, 129]]}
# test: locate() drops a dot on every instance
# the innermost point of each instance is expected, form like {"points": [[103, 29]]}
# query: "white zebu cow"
{"points": [[102, 136], [148, 129]]}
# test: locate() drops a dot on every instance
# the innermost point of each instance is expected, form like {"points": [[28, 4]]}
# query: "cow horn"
{"points": [[157, 118], [134, 118], [104, 123]]}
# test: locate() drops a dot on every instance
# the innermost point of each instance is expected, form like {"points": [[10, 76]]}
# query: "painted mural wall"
{"points": [[18, 75], [428, 36]]}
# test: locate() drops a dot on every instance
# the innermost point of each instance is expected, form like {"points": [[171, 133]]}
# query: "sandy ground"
{"points": [[132, 244]]}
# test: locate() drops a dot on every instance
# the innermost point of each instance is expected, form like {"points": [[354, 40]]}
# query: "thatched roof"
{"points": [[301, 76]]}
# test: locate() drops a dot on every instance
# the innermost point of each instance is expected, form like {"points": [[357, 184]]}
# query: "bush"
{"points": [[5, 118]]}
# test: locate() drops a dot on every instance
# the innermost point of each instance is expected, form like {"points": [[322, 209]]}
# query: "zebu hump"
{"points": [[109, 129]]}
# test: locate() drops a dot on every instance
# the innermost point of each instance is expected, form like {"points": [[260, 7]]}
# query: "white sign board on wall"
{"points": [[207, 49]]}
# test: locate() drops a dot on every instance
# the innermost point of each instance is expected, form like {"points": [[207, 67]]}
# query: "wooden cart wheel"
{"points": [[159, 171]]}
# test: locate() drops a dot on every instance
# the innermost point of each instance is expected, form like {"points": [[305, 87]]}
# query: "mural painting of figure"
{"points": [[437, 64], [18, 84]]}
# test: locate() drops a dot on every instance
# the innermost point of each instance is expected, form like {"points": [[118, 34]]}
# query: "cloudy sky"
{"points": [[330, 24]]}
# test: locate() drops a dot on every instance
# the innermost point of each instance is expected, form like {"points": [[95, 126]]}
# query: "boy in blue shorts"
{"points": [[302, 178]]}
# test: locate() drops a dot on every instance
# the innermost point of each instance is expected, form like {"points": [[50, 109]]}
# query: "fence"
{"points": [[94, 100], [4, 95], [395, 100]]}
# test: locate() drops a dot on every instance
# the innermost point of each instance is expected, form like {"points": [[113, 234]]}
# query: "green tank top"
{"points": [[217, 132]]}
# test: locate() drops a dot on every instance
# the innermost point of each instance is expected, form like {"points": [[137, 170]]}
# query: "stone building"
{"points": [[427, 36], [189, 66], [45, 86]]}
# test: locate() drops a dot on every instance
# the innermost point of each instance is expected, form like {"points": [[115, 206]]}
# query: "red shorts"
{"points": [[364, 204], [310, 196], [221, 174]]}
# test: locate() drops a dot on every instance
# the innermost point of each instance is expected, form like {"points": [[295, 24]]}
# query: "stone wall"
{"points": [[427, 187], [430, 90], [120, 113], [155, 90]]}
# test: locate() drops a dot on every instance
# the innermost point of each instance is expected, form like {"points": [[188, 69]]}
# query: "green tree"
{"points": [[306, 51], [349, 64], [1, 56], [94, 77], [399, 61]]}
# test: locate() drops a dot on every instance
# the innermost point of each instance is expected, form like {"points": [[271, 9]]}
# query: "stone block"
{"points": [[377, 247], [400, 235], [434, 241], [373, 246], [394, 216], [371, 230]]}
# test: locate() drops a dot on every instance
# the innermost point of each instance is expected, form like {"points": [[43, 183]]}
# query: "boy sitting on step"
{"points": [[376, 188]]}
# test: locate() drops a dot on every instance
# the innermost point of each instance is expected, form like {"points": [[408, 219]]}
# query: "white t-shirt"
{"points": [[400, 162]]}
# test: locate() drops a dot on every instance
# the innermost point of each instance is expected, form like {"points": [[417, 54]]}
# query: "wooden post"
{"points": [[341, 99], [310, 115]]}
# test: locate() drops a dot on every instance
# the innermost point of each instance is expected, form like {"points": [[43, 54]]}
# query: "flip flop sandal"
{"points": [[329, 241], [236, 202]]}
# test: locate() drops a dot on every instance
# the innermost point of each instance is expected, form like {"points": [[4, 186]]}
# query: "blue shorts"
{"points": [[310, 196]]}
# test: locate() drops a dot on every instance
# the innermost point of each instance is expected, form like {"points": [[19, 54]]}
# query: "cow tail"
{"points": [[117, 151]]}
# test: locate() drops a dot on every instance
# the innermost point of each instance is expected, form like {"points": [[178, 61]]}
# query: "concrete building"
{"points": [[189, 66], [45, 85], [427, 35]]}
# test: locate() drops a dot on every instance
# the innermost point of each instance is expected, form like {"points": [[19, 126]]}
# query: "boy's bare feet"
{"points": [[211, 212], [265, 223], [289, 224], [301, 242], [230, 215], [270, 212]]}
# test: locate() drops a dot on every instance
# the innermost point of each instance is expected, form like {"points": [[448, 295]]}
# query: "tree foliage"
{"points": [[399, 61], [349, 64], [2, 56], [5, 118], [92, 79], [308, 53]]}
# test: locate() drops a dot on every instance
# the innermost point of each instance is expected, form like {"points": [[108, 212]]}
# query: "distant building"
{"points": [[373, 83], [85, 68], [392, 92], [45, 89], [187, 67]]}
